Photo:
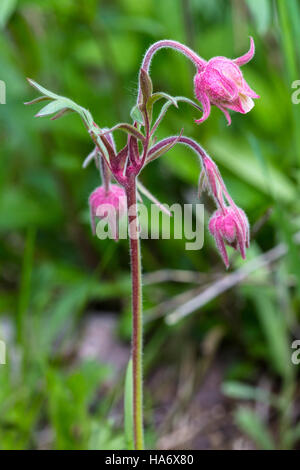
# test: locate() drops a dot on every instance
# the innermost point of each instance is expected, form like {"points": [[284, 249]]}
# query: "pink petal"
{"points": [[241, 243], [203, 98], [92, 221], [242, 105], [227, 115], [222, 249], [229, 85], [247, 103], [244, 59], [248, 91], [212, 225]]}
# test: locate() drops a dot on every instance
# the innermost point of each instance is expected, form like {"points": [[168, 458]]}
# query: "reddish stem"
{"points": [[137, 319]]}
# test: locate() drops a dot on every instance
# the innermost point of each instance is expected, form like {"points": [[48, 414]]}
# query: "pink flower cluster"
{"points": [[219, 82]]}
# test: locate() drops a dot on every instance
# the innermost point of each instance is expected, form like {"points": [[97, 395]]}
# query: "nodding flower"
{"points": [[109, 204], [230, 227], [229, 224], [220, 82]]}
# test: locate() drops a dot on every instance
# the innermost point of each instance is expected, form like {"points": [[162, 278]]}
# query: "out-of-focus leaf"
{"points": [[105, 437], [242, 391], [69, 400], [7, 7], [261, 13], [252, 425], [275, 330], [237, 158]]}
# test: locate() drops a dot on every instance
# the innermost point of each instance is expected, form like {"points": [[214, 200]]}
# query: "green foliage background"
{"points": [[53, 271]]}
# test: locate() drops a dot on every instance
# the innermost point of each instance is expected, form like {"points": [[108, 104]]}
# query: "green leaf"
{"points": [[159, 95], [188, 101], [275, 330], [174, 101], [136, 115], [53, 107], [43, 90], [126, 128], [7, 8], [38, 100], [252, 425], [61, 113], [146, 86], [164, 149], [60, 105], [261, 11], [128, 407], [293, 435], [242, 391], [240, 160]]}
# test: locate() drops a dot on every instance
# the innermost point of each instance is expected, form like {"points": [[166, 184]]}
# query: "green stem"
{"points": [[137, 314]]}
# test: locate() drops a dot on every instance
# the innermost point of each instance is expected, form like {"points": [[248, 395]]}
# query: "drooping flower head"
{"points": [[229, 224], [220, 82], [230, 227], [109, 204]]}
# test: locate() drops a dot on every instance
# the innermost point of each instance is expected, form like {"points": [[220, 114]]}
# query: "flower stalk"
{"points": [[137, 314]]}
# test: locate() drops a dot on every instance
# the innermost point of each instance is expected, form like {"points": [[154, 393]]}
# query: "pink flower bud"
{"points": [[230, 227], [110, 204], [221, 83]]}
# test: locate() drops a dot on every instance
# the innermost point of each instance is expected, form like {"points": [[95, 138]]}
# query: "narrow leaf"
{"points": [[155, 154], [7, 8], [43, 90], [53, 107], [152, 198], [61, 113], [121, 158], [133, 149], [110, 150], [242, 391], [188, 101], [38, 100], [159, 95], [252, 424], [166, 106], [127, 128], [136, 115], [146, 86]]}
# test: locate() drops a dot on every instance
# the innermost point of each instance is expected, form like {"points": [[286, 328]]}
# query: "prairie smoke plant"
{"points": [[218, 81]]}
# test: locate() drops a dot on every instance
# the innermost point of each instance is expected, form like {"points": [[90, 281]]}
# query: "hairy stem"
{"points": [[189, 53], [137, 314], [105, 174], [192, 144]]}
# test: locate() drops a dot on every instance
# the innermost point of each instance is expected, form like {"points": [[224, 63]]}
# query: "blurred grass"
{"points": [[53, 271]]}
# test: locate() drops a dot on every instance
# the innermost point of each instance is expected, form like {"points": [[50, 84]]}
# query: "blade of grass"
{"points": [[24, 291], [128, 408]]}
